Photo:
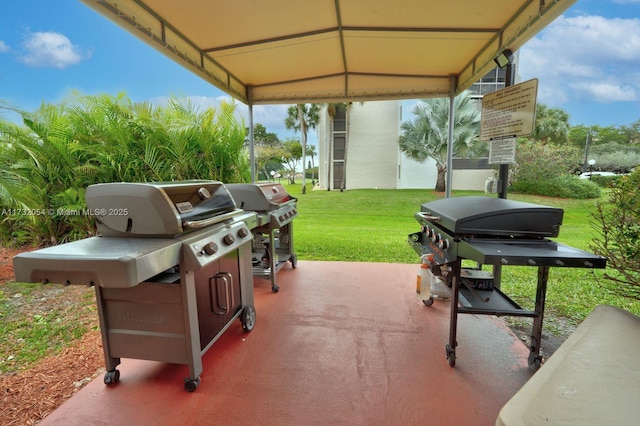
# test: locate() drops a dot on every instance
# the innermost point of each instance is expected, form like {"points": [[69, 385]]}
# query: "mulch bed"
{"points": [[30, 395]]}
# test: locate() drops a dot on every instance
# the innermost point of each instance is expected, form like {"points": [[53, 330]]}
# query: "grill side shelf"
{"points": [[497, 303]]}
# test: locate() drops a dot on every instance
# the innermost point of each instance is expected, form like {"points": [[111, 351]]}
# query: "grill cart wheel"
{"points": [[451, 356], [111, 377], [275, 288], [191, 385], [428, 302], [248, 318], [294, 261]]}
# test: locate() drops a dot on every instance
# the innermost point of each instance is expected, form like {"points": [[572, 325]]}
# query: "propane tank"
{"points": [[423, 280], [265, 261]]}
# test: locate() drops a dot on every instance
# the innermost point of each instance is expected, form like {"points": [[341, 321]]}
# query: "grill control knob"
{"points": [[204, 193], [428, 231], [228, 239], [210, 248], [436, 237], [444, 244], [243, 232]]}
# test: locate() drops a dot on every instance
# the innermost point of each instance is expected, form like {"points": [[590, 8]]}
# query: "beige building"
{"points": [[372, 158]]}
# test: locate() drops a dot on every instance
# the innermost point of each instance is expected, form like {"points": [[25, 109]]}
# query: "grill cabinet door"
{"points": [[218, 296]]}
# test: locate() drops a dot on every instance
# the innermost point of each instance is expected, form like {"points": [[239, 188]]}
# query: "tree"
{"points": [[632, 133], [311, 152], [552, 125], [301, 118], [270, 158], [269, 151], [262, 137], [293, 150], [426, 136]]}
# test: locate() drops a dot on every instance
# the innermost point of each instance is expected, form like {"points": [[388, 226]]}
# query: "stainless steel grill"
{"points": [[273, 234], [497, 232], [171, 270]]}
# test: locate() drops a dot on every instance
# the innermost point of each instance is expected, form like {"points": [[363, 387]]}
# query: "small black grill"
{"points": [[497, 232]]}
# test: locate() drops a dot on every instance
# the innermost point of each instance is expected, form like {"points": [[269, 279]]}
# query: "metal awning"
{"points": [[292, 51]]}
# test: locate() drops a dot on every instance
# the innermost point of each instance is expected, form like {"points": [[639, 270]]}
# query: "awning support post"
{"points": [[453, 82], [252, 155]]}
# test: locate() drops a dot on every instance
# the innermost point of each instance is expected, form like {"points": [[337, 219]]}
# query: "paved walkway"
{"points": [[341, 344]]}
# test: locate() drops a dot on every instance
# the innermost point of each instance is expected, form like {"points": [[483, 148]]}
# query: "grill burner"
{"points": [[273, 234], [172, 270], [498, 232]]}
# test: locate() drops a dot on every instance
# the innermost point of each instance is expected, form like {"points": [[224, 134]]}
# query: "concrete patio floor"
{"points": [[342, 344]]}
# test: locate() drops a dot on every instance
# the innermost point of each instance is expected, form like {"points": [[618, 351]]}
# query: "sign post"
{"points": [[507, 114]]}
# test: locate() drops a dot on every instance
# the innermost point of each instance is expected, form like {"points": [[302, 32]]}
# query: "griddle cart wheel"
{"points": [[535, 361], [428, 302], [294, 261], [451, 355], [191, 385], [248, 318], [111, 377]]}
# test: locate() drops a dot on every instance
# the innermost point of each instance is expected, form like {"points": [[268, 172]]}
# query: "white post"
{"points": [[453, 81]]}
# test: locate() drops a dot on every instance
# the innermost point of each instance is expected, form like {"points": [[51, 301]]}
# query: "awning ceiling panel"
{"points": [[292, 51]]}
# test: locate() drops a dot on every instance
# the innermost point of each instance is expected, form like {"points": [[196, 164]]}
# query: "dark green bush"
{"points": [[566, 186], [605, 181]]}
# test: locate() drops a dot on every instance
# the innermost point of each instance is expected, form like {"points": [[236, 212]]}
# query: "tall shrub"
{"points": [[546, 169], [48, 162], [618, 224]]}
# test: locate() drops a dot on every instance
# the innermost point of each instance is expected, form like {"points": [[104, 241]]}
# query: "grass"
{"points": [[372, 226], [37, 321]]}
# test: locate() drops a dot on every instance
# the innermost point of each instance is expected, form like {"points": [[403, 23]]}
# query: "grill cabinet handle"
{"points": [[218, 305]]}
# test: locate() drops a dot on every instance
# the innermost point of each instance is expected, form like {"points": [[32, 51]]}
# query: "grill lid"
{"points": [[259, 197], [156, 208], [494, 217]]}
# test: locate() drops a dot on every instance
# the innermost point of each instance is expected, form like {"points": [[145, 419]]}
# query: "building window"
{"points": [[339, 137]]}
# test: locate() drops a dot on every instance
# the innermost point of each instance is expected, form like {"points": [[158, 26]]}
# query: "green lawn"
{"points": [[372, 225]]}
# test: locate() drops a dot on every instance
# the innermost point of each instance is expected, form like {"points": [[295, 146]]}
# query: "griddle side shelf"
{"points": [[464, 301]]}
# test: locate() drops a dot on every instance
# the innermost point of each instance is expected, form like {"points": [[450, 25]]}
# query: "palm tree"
{"points": [[426, 136], [552, 125], [311, 152], [301, 118]]}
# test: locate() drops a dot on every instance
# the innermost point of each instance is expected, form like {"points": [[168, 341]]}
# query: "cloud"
{"points": [[585, 58], [4, 47], [50, 50]]}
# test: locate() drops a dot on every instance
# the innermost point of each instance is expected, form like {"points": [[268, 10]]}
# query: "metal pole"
{"points": [[503, 175], [586, 152], [252, 156], [453, 82], [303, 130]]}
